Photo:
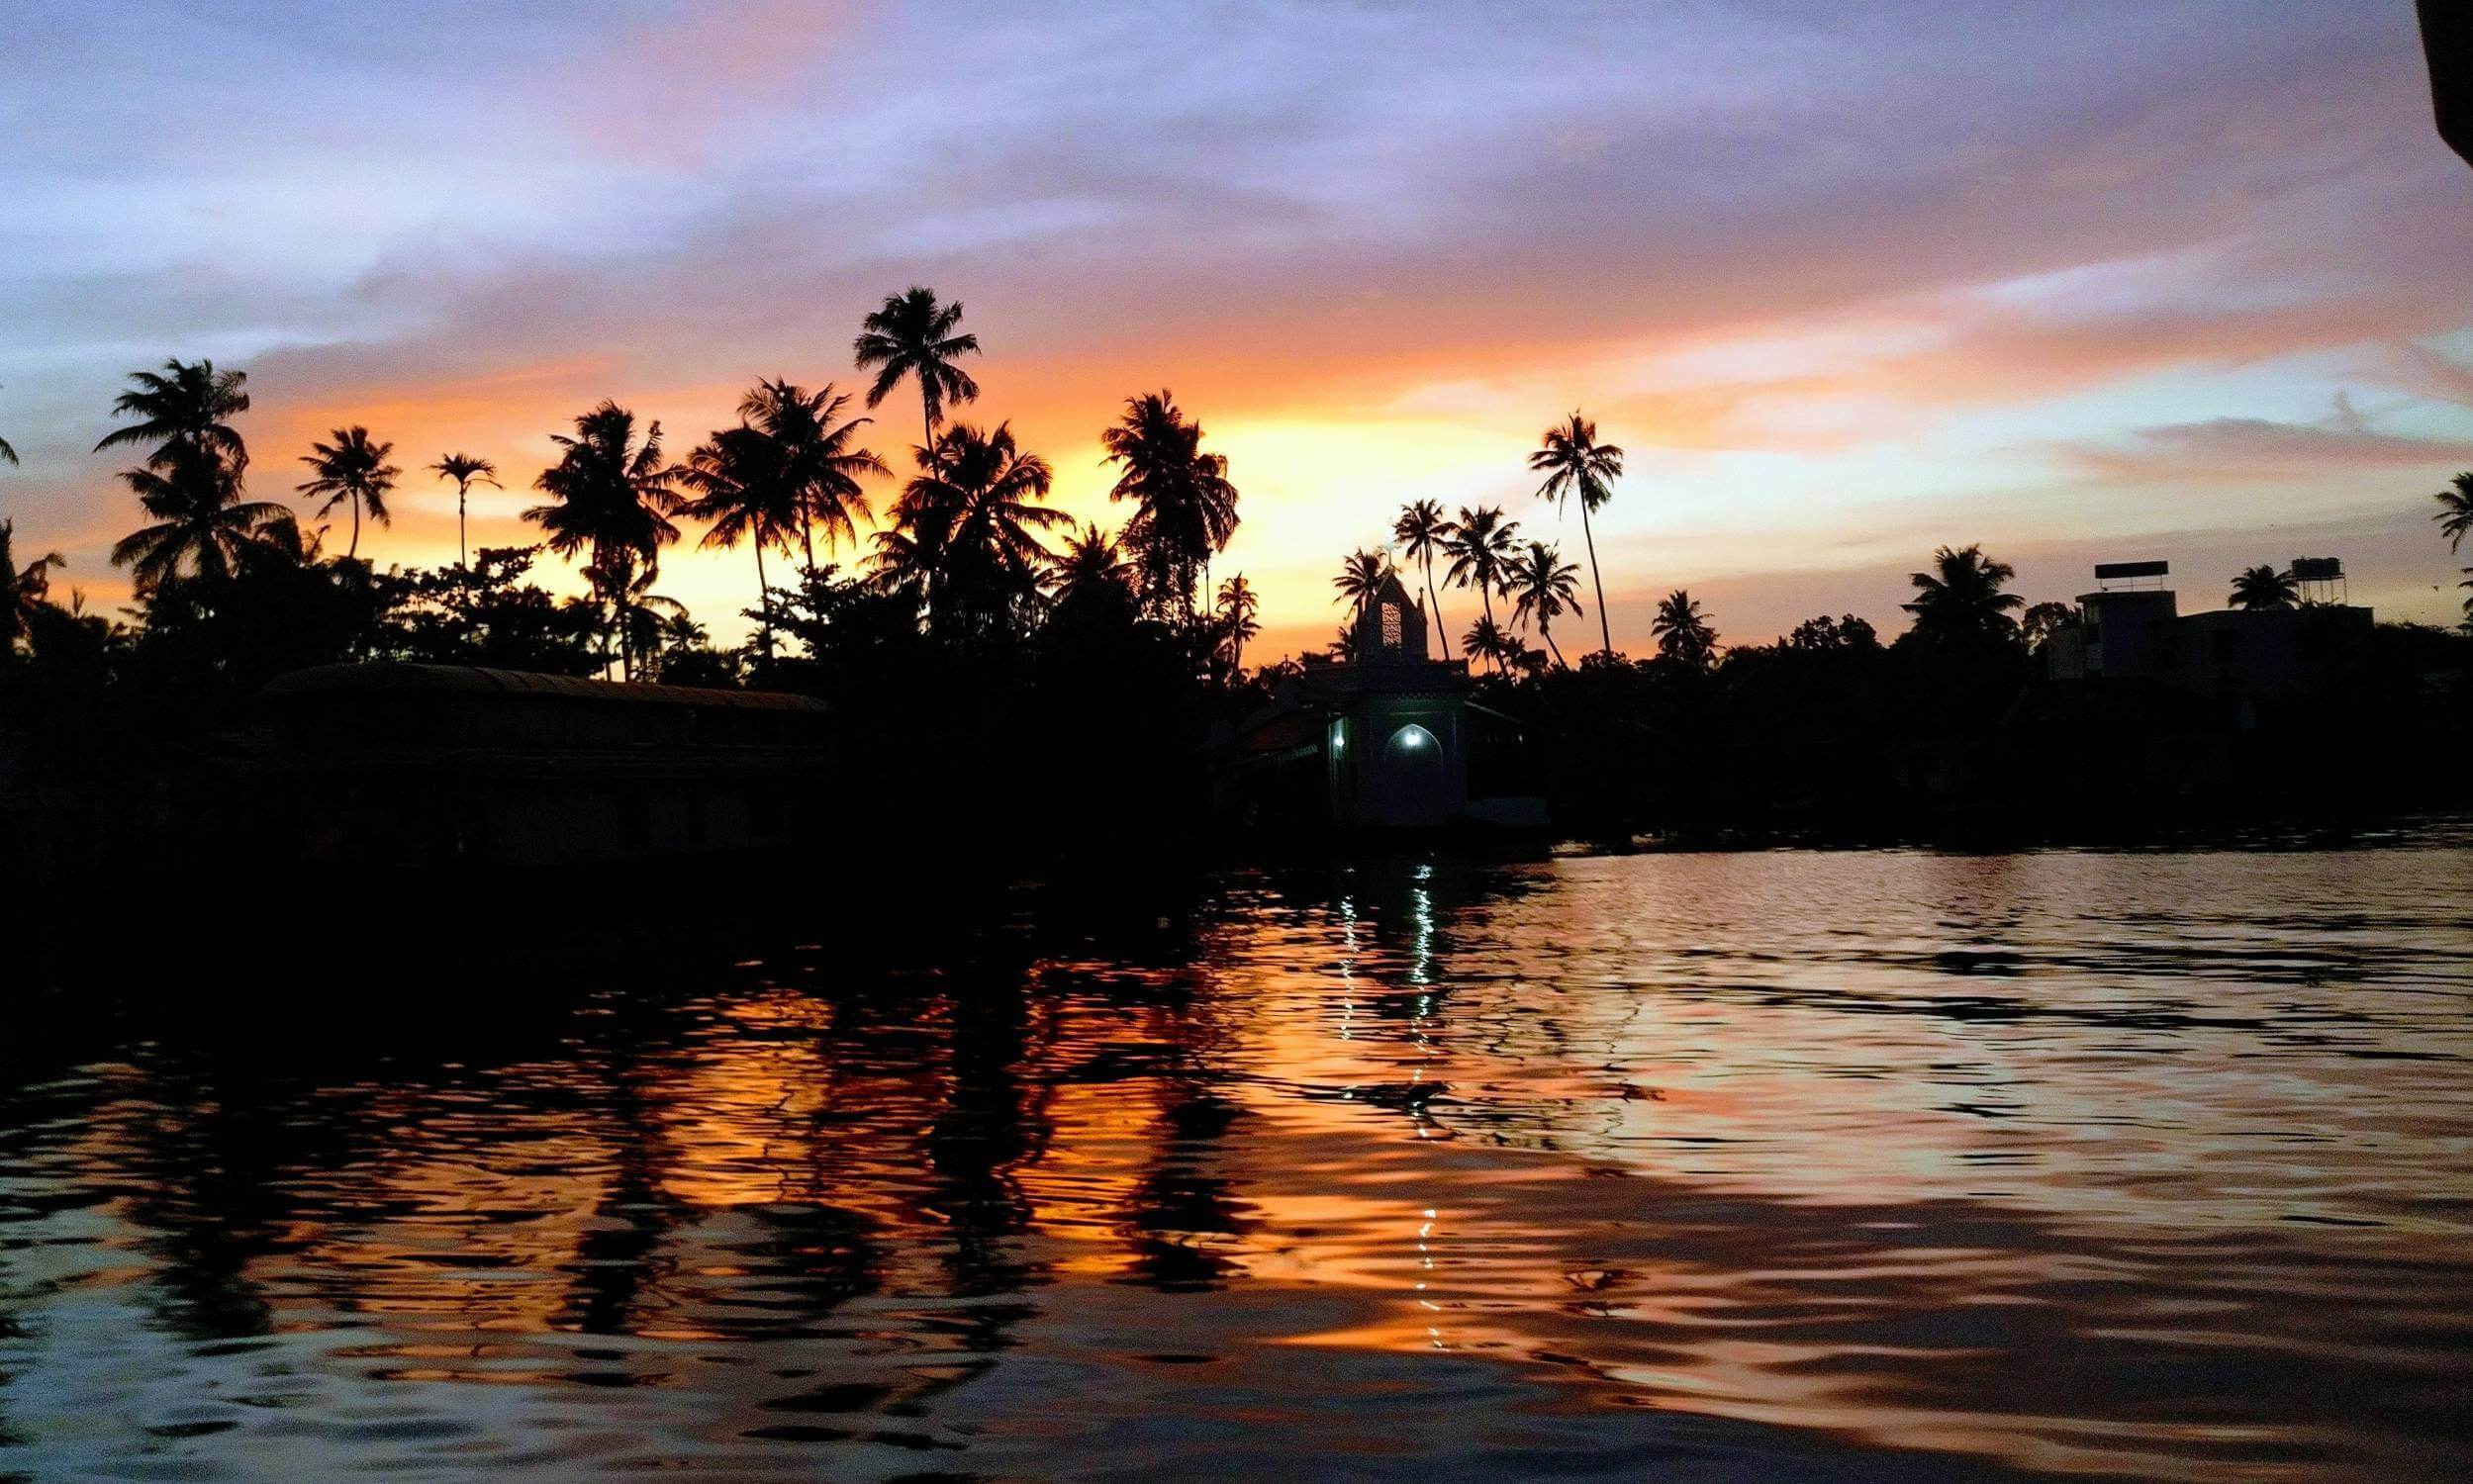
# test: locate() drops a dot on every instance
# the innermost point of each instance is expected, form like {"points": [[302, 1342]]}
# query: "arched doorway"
{"points": [[1413, 783]]}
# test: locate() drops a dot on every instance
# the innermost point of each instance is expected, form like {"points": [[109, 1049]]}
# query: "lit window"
{"points": [[1390, 625]]}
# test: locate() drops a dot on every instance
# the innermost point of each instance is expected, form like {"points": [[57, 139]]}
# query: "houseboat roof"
{"points": [[390, 677]]}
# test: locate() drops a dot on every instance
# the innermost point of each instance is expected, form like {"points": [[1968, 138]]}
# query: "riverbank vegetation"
{"points": [[989, 660]]}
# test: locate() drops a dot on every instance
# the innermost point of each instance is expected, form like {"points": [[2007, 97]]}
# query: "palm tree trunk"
{"points": [[764, 600], [1548, 634], [463, 552], [355, 550], [806, 537], [1605, 634], [1435, 601]]}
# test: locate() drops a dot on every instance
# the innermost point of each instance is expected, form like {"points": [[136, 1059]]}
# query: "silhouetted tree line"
{"points": [[985, 660], [988, 661], [1952, 730]]}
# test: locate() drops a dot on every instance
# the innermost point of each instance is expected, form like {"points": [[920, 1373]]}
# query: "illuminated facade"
{"points": [[1383, 739]]}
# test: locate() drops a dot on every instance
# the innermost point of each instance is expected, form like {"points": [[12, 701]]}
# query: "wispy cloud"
{"points": [[1811, 264]]}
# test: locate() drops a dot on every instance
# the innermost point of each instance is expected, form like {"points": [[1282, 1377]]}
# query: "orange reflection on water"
{"points": [[1892, 1154]]}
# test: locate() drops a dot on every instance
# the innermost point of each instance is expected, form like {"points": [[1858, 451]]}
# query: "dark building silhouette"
{"points": [[1383, 739], [430, 764], [2132, 629]]}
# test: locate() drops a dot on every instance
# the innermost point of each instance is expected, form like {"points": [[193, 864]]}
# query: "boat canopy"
{"points": [[388, 676]]}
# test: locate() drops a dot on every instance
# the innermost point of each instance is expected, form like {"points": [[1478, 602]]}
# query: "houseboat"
{"points": [[439, 764]]}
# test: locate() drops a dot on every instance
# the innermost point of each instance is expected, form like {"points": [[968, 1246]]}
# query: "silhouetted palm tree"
{"points": [[463, 469], [1237, 607], [1362, 574], [1571, 459], [1544, 585], [914, 335], [2261, 588], [655, 626], [1961, 599], [744, 491], [611, 497], [1486, 640], [1481, 545], [1089, 564], [1683, 632], [353, 469], [192, 478], [1423, 533], [818, 456], [24, 591], [2455, 509], [187, 405], [969, 523], [1184, 505], [201, 524]]}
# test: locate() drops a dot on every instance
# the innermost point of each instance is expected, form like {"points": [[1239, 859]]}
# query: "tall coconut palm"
{"points": [[1481, 547], [611, 498], [2261, 588], [1683, 632], [464, 470], [1423, 533], [969, 524], [1574, 462], [1362, 574], [1544, 587], [351, 469], [914, 335], [1237, 607], [1184, 505], [192, 478], [187, 405], [2455, 509], [24, 591], [743, 493], [1486, 640], [201, 524], [1960, 598], [819, 456]]}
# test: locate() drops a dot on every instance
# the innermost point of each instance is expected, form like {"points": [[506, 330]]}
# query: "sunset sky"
{"points": [[2081, 282]]}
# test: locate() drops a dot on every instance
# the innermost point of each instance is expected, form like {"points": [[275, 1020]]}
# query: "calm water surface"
{"points": [[1764, 1166]]}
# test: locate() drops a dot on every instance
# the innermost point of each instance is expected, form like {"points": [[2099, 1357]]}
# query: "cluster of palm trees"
{"points": [[966, 536], [1481, 549]]}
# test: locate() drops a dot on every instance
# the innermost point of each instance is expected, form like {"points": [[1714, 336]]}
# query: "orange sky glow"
{"points": [[2072, 284]]}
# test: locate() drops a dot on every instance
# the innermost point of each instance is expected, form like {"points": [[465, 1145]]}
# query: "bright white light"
{"points": [[1413, 738]]}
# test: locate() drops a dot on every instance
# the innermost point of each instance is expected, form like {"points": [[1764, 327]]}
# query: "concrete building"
{"points": [[2131, 628]]}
